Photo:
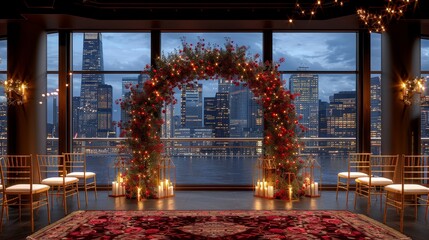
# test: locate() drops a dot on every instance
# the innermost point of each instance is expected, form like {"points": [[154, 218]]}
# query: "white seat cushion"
{"points": [[408, 188], [58, 181], [25, 188], [375, 181], [81, 174], [352, 174]]}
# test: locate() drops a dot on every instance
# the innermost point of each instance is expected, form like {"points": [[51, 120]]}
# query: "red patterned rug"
{"points": [[296, 224]]}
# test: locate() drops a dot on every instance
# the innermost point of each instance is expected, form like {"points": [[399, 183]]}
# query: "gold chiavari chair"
{"points": [[357, 166], [76, 166], [381, 173], [20, 187], [413, 189], [53, 170]]}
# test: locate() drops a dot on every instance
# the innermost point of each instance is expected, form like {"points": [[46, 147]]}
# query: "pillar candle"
{"points": [[316, 188], [290, 192], [114, 188], [170, 190], [270, 191], [312, 189], [139, 194]]}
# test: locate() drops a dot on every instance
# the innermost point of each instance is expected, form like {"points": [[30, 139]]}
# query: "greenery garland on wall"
{"points": [[186, 66]]}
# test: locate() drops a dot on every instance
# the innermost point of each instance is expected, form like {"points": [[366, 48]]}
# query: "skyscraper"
{"points": [[95, 118], [342, 114], [92, 61], [307, 103], [376, 111], [191, 108], [240, 97], [222, 115], [210, 112], [127, 82], [104, 110], [76, 115]]}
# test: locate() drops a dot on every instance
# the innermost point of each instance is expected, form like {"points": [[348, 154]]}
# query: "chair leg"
{"points": [[77, 195], [47, 206], [86, 192], [31, 213], [401, 222], [385, 208], [356, 194], [95, 186], [2, 210], [19, 206], [347, 192], [338, 184], [65, 200], [368, 207]]}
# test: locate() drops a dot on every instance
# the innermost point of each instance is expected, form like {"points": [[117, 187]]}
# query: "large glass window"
{"points": [[3, 103], [321, 68], [103, 63], [50, 98], [425, 102], [214, 109], [375, 93]]}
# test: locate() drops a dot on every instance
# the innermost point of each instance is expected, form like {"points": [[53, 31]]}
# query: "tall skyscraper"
{"points": [[192, 106], [307, 103], [375, 107], [342, 114], [92, 61], [54, 117], [210, 112], [95, 118], [127, 82], [76, 115], [255, 118], [104, 110], [323, 118], [240, 97], [222, 115], [3, 120]]}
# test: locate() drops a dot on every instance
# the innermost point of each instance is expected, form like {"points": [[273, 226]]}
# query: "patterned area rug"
{"points": [[296, 224]]}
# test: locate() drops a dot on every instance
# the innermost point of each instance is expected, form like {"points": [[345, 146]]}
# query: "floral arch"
{"points": [[204, 61]]}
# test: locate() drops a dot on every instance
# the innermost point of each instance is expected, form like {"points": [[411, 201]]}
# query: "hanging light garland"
{"points": [[311, 10], [376, 21]]}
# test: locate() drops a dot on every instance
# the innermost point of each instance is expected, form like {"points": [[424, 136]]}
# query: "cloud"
{"points": [[317, 51]]}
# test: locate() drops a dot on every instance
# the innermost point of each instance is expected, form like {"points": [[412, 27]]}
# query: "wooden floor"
{"points": [[215, 200]]}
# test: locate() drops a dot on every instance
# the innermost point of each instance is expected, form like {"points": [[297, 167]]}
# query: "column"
{"points": [[400, 60], [364, 92], [27, 62]]}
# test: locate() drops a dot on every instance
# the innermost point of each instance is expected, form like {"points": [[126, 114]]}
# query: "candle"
{"points": [[114, 188], [270, 191], [290, 192], [139, 194], [170, 190], [266, 191], [160, 191], [312, 189], [316, 188]]}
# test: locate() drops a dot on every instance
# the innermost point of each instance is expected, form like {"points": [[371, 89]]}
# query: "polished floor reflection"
{"points": [[215, 200]]}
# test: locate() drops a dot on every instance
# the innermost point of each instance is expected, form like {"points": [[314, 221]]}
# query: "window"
{"points": [[321, 68], [50, 98], [425, 103], [375, 93], [102, 64], [3, 103], [212, 109]]}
